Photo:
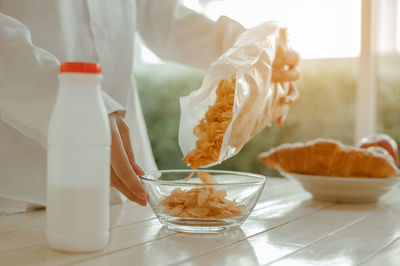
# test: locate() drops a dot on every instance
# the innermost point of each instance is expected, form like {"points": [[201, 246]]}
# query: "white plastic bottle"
{"points": [[78, 162]]}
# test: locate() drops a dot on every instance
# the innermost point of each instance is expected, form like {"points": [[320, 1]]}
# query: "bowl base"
{"points": [[200, 226], [198, 229]]}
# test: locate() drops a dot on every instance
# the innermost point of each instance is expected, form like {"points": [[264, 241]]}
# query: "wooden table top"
{"points": [[286, 228]]}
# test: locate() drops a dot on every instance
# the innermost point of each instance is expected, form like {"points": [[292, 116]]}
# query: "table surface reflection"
{"points": [[286, 228]]}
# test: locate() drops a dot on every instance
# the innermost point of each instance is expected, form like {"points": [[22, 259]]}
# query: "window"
{"points": [[327, 34], [387, 67]]}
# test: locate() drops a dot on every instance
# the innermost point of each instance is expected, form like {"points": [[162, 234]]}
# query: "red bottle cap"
{"points": [[80, 67]]}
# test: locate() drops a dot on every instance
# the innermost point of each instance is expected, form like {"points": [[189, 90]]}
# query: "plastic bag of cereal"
{"points": [[235, 101]]}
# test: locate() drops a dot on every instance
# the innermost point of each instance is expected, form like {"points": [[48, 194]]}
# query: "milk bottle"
{"points": [[78, 162]]}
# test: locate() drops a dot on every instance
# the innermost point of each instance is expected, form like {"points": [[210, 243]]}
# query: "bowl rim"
{"points": [[260, 178]]}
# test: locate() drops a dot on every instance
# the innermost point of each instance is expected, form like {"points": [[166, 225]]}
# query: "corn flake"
{"points": [[203, 202]]}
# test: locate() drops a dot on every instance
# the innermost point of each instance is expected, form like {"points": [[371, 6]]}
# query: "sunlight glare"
{"points": [[317, 28]]}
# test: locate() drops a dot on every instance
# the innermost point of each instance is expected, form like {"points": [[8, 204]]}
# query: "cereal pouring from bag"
{"points": [[236, 100]]}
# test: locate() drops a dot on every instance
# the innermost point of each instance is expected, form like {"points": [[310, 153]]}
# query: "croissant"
{"points": [[329, 158]]}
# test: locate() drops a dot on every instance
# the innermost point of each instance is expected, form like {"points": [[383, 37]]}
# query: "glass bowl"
{"points": [[242, 191]]}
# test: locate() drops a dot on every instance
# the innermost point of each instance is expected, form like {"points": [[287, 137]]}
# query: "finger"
{"points": [[115, 182], [126, 141], [286, 58], [121, 165], [291, 96], [118, 184], [281, 75]]}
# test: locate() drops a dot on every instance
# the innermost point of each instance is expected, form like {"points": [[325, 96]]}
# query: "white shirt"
{"points": [[35, 36]]}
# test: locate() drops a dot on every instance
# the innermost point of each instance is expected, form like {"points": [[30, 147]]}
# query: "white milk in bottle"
{"points": [[78, 162]]}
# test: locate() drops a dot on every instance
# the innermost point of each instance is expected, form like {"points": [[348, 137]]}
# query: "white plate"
{"points": [[344, 189]]}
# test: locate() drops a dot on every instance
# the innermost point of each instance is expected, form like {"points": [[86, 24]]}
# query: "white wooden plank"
{"points": [[251, 251], [310, 228], [36, 247], [119, 217], [33, 219], [299, 233], [388, 256], [121, 238], [36, 219], [352, 244], [21, 239], [121, 214], [17, 222], [286, 224], [255, 252], [290, 236], [185, 246]]}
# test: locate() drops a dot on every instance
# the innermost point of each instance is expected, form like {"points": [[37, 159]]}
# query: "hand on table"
{"points": [[124, 169]]}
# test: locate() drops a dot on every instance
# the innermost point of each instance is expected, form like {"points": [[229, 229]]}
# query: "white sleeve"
{"points": [[29, 82], [112, 105], [177, 33]]}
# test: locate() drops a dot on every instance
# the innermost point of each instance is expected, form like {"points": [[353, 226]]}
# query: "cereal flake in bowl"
{"points": [[200, 201]]}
